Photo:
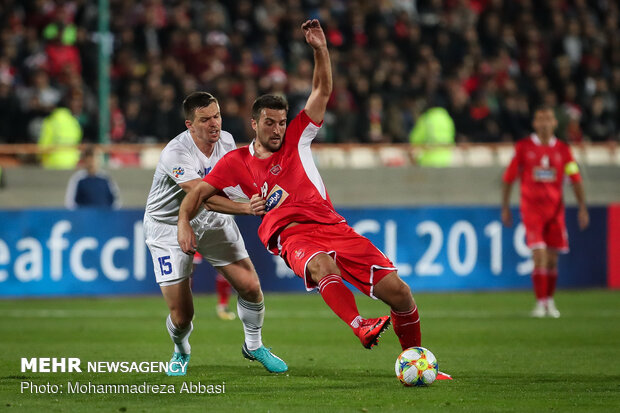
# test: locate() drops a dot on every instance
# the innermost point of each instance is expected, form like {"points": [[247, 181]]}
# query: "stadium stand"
{"points": [[488, 62]]}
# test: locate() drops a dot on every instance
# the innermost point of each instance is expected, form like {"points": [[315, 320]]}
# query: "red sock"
{"points": [[340, 299], [407, 327], [222, 288], [552, 279], [539, 279]]}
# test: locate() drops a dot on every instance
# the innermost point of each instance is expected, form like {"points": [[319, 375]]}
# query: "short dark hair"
{"points": [[196, 100], [88, 151], [542, 108], [268, 102]]}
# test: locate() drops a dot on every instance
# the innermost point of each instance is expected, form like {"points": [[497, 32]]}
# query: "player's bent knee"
{"points": [[249, 289], [320, 266], [395, 292], [400, 291], [181, 319]]}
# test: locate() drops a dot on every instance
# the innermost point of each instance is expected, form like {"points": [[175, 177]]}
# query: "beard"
{"points": [[271, 145]]}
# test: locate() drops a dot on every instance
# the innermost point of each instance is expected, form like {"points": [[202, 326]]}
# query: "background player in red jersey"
{"points": [[222, 290], [541, 161], [299, 221]]}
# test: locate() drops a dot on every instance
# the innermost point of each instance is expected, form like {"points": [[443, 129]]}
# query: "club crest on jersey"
{"points": [[275, 198], [299, 254], [178, 171], [276, 169]]}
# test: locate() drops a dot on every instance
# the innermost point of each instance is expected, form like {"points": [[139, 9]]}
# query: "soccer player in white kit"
{"points": [[183, 163]]}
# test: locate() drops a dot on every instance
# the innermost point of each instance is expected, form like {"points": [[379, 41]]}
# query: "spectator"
{"points": [[433, 127], [599, 125], [135, 126], [36, 101], [60, 134], [165, 116], [516, 54], [9, 111], [89, 187], [234, 121]]}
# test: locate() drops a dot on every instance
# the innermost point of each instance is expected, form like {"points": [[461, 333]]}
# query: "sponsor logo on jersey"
{"points": [[544, 174], [178, 171], [275, 198], [276, 169]]}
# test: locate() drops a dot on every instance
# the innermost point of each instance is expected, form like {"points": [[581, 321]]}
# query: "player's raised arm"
{"points": [[322, 76]]}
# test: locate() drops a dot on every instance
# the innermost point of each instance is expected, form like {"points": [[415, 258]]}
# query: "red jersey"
{"points": [[541, 169], [288, 180]]}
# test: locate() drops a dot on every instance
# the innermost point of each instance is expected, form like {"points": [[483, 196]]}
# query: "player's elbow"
{"points": [[199, 193]]}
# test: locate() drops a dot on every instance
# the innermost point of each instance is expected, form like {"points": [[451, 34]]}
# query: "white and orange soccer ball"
{"points": [[416, 366]]}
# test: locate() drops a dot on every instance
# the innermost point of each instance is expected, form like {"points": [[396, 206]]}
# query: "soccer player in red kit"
{"points": [[541, 162], [299, 221]]}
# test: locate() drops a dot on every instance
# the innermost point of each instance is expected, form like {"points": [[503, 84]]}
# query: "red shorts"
{"points": [[545, 232], [360, 262]]}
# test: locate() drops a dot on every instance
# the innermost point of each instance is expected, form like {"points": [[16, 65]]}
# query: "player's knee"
{"points": [[402, 292], [320, 266], [397, 294], [182, 318], [539, 257], [250, 290]]}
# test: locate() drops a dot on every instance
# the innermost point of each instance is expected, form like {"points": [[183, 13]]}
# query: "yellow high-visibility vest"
{"points": [[435, 126], [60, 129]]}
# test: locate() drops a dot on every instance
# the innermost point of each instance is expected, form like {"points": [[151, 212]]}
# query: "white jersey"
{"points": [[179, 162]]}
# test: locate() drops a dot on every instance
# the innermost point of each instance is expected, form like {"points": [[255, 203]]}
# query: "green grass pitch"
{"points": [[501, 360]]}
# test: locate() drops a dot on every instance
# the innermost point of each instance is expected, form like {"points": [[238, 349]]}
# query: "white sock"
{"points": [[179, 336], [251, 315]]}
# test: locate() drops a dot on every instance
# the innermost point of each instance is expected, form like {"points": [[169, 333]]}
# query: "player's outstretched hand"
{"points": [[186, 238], [257, 205], [583, 218], [314, 33], [506, 217]]}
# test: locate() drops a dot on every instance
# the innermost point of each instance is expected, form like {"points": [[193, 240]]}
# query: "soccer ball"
{"points": [[416, 366]]}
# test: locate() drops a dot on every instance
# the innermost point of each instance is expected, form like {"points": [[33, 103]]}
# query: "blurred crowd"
{"points": [[489, 63]]}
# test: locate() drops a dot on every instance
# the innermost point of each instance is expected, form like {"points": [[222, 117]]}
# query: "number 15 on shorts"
{"points": [[165, 266]]}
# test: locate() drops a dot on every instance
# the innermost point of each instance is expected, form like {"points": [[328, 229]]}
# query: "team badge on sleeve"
{"points": [[275, 198], [178, 171]]}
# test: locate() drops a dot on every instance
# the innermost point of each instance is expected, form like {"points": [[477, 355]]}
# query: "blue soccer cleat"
{"points": [[271, 362], [178, 364]]}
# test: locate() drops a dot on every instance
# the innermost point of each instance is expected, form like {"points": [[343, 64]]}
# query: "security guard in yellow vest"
{"points": [[434, 126], [60, 135]]}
